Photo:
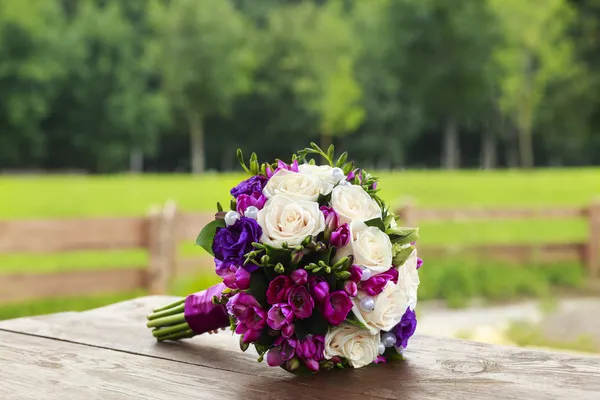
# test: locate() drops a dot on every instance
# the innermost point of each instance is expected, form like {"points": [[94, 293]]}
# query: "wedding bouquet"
{"points": [[316, 272]]}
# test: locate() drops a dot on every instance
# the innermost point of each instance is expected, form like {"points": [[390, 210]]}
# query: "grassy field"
{"points": [[29, 197]]}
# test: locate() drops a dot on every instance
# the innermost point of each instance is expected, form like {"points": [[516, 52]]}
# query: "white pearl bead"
{"points": [[251, 212], [367, 304], [344, 183], [231, 217], [381, 349], [388, 339], [366, 274], [337, 174]]}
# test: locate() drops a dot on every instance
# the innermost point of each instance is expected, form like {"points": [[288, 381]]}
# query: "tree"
{"points": [[536, 52], [201, 50]]}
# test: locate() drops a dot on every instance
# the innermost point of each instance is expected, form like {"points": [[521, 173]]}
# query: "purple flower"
{"points": [[250, 186], [301, 302], [233, 277], [281, 165], [350, 288], [299, 276], [355, 273], [250, 316], [336, 307], [278, 288], [319, 288], [380, 360], [255, 199], [310, 351], [419, 263], [406, 328], [232, 242], [287, 331], [279, 316], [375, 284], [332, 220], [341, 236], [284, 350]]}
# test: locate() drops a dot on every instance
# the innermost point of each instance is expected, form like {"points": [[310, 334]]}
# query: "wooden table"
{"points": [[108, 353]]}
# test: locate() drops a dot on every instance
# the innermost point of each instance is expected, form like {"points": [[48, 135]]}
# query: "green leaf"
{"points": [[331, 154], [340, 162], [351, 319], [316, 324], [258, 287], [219, 207], [377, 223], [403, 235], [207, 234], [401, 254]]}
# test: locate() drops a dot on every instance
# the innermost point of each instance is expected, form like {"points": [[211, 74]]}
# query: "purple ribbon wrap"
{"points": [[201, 314]]}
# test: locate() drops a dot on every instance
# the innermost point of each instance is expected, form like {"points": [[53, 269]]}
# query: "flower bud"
{"points": [[350, 288], [299, 276], [326, 365], [320, 246], [292, 364], [243, 346], [297, 257]]}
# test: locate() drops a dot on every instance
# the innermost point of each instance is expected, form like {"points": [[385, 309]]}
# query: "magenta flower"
{"points": [[380, 360], [250, 316], [341, 236], [287, 331], [278, 288], [255, 199], [332, 220], [299, 277], [301, 302], [355, 273], [283, 350], [310, 351], [281, 165], [419, 263], [279, 316], [350, 288], [336, 307], [233, 277], [375, 284], [319, 288]]}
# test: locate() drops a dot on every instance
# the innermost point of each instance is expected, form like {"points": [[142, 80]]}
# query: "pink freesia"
{"points": [[341, 236], [281, 165], [283, 350], [301, 302], [336, 307], [310, 351], [299, 276], [355, 273], [233, 277], [419, 263], [251, 318], [278, 288], [351, 288], [319, 288], [375, 284], [279, 316], [244, 201]]}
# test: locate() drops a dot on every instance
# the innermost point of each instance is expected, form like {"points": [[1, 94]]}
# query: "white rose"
{"points": [[409, 278], [370, 246], [358, 346], [390, 305], [288, 219], [293, 184], [324, 173], [352, 202]]}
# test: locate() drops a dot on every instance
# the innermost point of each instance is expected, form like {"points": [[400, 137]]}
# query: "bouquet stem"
{"points": [[186, 318]]}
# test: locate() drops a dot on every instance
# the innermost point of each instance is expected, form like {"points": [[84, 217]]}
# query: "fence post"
{"points": [[162, 247], [593, 246], [406, 213]]}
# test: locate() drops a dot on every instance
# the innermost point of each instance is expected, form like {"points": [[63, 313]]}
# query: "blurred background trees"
{"points": [[111, 85]]}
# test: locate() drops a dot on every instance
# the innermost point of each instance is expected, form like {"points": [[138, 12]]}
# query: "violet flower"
{"points": [[288, 330], [299, 276], [281, 165], [406, 328], [319, 288], [332, 220], [375, 284], [341, 236], [252, 185], [280, 315], [350, 288], [310, 351], [232, 242], [282, 351], [233, 277], [256, 199], [251, 317], [355, 273], [301, 302], [419, 263], [336, 307], [278, 288]]}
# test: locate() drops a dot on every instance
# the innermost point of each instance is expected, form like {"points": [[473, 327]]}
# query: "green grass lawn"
{"points": [[30, 197]]}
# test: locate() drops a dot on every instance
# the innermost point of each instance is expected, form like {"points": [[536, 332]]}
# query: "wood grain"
{"points": [[435, 368], [36, 368], [19, 287], [189, 225], [44, 236]]}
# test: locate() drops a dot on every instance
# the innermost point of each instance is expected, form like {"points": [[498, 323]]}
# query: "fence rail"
{"points": [[160, 233]]}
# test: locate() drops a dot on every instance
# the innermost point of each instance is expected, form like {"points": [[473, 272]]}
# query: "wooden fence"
{"points": [[160, 233]]}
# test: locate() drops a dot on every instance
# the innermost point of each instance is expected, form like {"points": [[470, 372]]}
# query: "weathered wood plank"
{"points": [[473, 214], [189, 225], [37, 368], [435, 368], [44, 236], [19, 287]]}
